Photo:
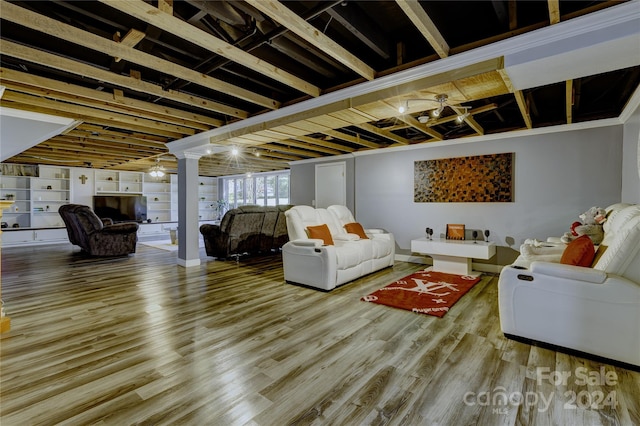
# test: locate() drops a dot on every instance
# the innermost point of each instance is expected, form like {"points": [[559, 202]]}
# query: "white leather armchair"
{"points": [[590, 310], [309, 262]]}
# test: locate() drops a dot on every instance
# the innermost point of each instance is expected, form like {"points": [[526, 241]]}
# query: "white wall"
{"points": [[631, 159], [556, 177]]}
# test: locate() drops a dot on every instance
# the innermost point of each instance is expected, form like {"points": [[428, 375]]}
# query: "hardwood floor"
{"points": [[140, 340]]}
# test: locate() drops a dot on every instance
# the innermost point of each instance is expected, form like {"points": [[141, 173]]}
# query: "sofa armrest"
{"points": [[106, 221], [310, 242], [578, 273], [375, 231], [120, 228], [208, 229]]}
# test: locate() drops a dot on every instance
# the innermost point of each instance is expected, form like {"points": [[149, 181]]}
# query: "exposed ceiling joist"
{"points": [[425, 25], [149, 14], [281, 14]]}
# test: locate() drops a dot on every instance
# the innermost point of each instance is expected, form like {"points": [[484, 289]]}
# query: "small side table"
{"points": [[454, 256]]}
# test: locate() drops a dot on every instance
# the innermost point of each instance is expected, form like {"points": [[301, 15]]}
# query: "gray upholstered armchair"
{"points": [[95, 236]]}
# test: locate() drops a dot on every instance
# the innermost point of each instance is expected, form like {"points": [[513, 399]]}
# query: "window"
{"points": [[264, 189]]}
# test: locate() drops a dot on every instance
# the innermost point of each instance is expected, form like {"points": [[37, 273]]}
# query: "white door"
{"points": [[331, 184]]}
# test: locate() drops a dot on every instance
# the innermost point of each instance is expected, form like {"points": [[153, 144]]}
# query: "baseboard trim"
{"points": [[188, 263]]}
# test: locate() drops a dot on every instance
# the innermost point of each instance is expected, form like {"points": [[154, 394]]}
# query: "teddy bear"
{"points": [[591, 225]]}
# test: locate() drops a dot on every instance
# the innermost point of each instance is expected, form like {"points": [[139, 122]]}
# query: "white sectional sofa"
{"points": [[310, 262], [593, 310]]}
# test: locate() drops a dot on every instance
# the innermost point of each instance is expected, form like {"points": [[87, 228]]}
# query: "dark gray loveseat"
{"points": [[247, 230]]}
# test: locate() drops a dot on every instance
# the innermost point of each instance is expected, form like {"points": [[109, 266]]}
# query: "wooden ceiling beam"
{"points": [[131, 39], [569, 100], [524, 108], [105, 131], [324, 143], [283, 147], [116, 102], [554, 11], [312, 147], [68, 65], [421, 20], [422, 128], [353, 139], [82, 140], [352, 17], [75, 35], [287, 18], [99, 116], [149, 14], [383, 133]]}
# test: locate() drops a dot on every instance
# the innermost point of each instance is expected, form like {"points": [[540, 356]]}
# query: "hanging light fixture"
{"points": [[442, 100], [157, 171]]}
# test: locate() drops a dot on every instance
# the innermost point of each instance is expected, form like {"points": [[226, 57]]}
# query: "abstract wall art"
{"points": [[474, 179]]}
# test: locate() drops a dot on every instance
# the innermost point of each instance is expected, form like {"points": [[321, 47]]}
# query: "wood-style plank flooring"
{"points": [[139, 340]]}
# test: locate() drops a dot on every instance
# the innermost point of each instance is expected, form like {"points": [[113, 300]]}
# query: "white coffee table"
{"points": [[454, 256]]}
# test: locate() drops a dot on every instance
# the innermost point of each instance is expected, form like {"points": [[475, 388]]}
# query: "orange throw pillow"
{"points": [[579, 252], [356, 228], [320, 232]]}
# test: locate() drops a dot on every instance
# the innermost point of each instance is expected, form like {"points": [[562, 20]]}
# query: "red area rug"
{"points": [[424, 292]]}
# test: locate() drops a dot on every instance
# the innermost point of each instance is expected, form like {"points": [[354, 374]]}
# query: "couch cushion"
{"points": [[356, 228], [579, 252], [349, 255], [618, 219], [623, 252], [320, 232]]}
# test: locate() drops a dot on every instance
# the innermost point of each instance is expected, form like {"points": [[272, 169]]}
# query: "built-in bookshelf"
{"points": [[37, 192], [207, 198], [159, 198], [116, 182], [36, 198]]}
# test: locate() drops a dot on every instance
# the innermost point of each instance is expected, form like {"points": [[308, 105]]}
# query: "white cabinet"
{"points": [[34, 236], [110, 182]]}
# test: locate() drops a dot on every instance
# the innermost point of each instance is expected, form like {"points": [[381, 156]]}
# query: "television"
{"points": [[121, 208]]}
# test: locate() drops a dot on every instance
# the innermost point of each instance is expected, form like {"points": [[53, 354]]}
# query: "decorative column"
{"points": [[188, 225], [5, 322]]}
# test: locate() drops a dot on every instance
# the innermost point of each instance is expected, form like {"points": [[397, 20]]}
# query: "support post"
{"points": [[188, 247]]}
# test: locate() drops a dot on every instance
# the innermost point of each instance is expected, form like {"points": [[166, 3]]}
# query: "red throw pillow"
{"points": [[356, 228], [320, 232], [579, 252]]}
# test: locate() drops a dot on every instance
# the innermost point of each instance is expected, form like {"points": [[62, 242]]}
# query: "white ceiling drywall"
{"points": [[568, 55], [20, 130]]}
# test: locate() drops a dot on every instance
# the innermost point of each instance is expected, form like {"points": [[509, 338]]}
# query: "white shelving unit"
{"points": [[159, 198], [114, 182], [49, 191], [18, 190], [174, 198], [207, 198]]}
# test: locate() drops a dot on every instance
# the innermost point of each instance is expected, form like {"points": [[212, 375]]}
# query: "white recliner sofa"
{"points": [[590, 310], [310, 262]]}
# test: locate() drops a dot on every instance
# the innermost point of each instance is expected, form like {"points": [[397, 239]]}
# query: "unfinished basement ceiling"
{"points": [[136, 75]]}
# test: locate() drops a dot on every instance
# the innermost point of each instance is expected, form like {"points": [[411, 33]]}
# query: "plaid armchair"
{"points": [[95, 236]]}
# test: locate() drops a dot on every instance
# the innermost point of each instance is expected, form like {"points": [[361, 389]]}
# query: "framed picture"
{"points": [[455, 231]]}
